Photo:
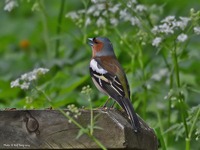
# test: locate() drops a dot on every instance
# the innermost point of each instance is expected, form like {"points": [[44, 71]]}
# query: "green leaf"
{"points": [[97, 127], [73, 83], [188, 79], [160, 137], [81, 132]]}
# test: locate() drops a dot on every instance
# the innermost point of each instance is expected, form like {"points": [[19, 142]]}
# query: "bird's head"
{"points": [[101, 46]]}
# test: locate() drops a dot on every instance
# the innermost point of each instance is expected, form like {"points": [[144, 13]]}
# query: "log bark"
{"points": [[50, 129]]}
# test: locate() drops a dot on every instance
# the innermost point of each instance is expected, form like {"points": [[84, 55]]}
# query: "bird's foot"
{"points": [[105, 108]]}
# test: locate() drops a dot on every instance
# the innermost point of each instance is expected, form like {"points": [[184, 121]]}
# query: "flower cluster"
{"points": [[160, 74], [156, 41], [86, 90], [168, 26], [25, 80], [100, 11], [182, 37], [10, 4], [197, 30], [197, 133], [72, 108]]}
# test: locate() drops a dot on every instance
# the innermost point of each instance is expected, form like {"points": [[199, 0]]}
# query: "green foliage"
{"points": [[162, 66]]}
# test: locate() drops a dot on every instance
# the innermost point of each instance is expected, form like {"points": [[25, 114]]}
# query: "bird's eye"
{"points": [[94, 40]]}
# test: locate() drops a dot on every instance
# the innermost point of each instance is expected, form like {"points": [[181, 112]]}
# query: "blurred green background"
{"points": [[28, 41]]}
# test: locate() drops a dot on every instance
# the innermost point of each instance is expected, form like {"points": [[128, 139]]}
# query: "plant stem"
{"points": [[187, 147], [94, 139], [44, 22], [169, 107], [62, 4], [169, 100], [176, 67], [159, 117], [190, 28], [148, 18], [195, 120], [160, 136], [76, 123], [85, 3], [144, 84], [137, 17], [191, 130], [91, 116]]}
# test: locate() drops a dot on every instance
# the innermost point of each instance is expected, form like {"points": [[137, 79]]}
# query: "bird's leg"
{"points": [[113, 104], [106, 102]]}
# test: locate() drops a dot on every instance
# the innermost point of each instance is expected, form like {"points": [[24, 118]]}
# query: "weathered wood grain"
{"points": [[50, 129]]}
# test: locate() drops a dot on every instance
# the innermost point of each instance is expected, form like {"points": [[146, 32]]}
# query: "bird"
{"points": [[110, 78]]}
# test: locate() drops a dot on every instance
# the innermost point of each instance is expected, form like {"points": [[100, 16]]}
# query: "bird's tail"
{"points": [[131, 113]]}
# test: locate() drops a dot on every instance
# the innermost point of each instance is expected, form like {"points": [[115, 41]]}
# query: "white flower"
{"points": [[183, 23], [115, 8], [129, 4], [197, 30], [100, 6], [156, 41], [185, 19], [105, 13], [31, 77], [91, 9], [15, 83], [40, 70], [100, 22], [114, 21], [166, 97], [148, 86], [96, 32], [135, 21], [96, 1], [155, 30], [173, 98], [165, 28], [10, 4], [81, 11], [182, 37], [96, 13], [134, 1], [140, 8], [88, 21], [161, 73], [28, 77], [168, 19], [124, 15], [72, 14], [24, 76], [25, 85]]}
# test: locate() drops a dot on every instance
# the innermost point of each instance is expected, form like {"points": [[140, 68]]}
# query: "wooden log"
{"points": [[50, 129]]}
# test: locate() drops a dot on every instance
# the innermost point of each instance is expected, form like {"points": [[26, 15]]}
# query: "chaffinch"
{"points": [[109, 77]]}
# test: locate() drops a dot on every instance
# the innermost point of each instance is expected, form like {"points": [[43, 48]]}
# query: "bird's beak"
{"points": [[91, 40]]}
